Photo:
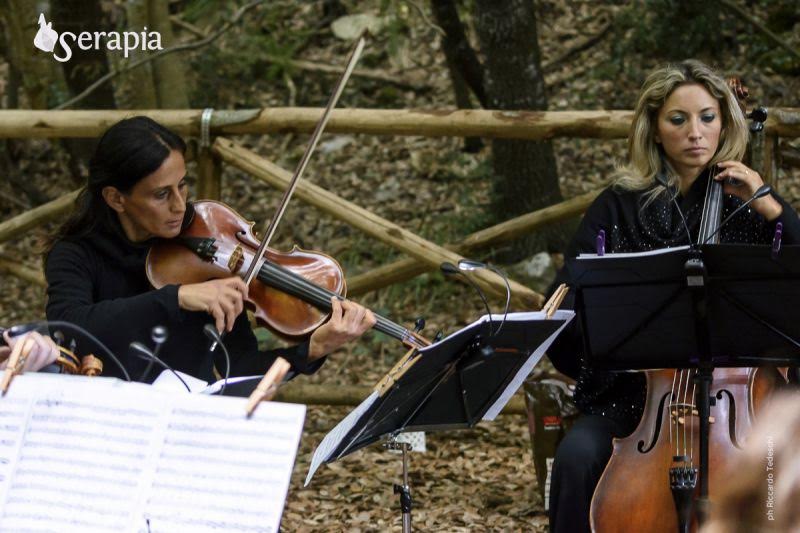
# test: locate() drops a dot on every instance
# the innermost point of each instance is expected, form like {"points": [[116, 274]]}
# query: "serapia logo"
{"points": [[47, 38]]}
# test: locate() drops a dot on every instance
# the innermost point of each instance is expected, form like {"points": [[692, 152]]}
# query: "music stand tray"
{"points": [[454, 383], [638, 311]]}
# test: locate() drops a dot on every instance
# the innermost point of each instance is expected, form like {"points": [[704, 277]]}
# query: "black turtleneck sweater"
{"points": [[98, 282], [632, 227]]}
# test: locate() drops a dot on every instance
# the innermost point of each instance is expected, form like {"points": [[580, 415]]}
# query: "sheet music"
{"points": [[622, 255], [533, 358], [97, 454], [334, 438]]}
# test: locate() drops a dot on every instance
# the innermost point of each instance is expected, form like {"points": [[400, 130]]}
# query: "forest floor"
{"points": [[478, 479]]}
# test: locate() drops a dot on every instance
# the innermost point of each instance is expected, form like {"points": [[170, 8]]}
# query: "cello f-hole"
{"points": [[657, 426], [731, 416]]}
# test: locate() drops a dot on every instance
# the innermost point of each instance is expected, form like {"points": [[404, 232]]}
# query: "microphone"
{"points": [[760, 193], [213, 335], [662, 180], [140, 350], [467, 264], [159, 336], [450, 269]]}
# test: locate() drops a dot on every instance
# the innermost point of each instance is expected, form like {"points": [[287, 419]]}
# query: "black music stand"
{"points": [[688, 308], [449, 385]]}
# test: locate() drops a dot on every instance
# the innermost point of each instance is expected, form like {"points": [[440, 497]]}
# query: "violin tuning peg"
{"points": [[419, 324]]}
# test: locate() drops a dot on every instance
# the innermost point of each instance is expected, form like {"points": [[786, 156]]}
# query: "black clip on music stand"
{"points": [[449, 385], [687, 308]]}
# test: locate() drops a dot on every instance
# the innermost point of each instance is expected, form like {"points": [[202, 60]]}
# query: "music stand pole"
{"points": [[704, 376], [697, 280], [403, 490]]}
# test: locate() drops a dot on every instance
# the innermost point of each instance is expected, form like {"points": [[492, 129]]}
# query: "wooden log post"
{"points": [[371, 224], [15, 268], [771, 149], [37, 216], [209, 175], [405, 269]]}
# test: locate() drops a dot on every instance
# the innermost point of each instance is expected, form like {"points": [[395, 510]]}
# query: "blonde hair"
{"points": [[645, 156]]}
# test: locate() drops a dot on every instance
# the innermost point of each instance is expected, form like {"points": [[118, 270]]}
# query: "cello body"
{"points": [[634, 492]]}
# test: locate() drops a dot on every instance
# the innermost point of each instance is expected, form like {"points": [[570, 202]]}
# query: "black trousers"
{"points": [[580, 460]]}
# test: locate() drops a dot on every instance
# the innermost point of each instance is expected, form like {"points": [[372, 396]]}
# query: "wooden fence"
{"points": [[422, 255]]}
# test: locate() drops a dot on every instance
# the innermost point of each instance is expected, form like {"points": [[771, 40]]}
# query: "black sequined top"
{"points": [[632, 227]]}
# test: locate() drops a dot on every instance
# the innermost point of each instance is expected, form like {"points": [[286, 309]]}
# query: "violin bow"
{"points": [[268, 385], [355, 54]]}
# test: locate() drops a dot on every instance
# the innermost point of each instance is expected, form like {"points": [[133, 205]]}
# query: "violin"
{"points": [[651, 480], [291, 292], [67, 361]]}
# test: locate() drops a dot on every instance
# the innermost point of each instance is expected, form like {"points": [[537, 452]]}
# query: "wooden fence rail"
{"points": [[405, 269], [37, 216], [367, 222], [534, 125]]}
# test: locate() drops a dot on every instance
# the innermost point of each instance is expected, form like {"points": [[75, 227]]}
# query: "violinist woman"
{"points": [[95, 268], [686, 124]]}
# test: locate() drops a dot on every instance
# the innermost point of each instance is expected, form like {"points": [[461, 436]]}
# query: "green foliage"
{"points": [[781, 19], [396, 31], [260, 48], [673, 30]]}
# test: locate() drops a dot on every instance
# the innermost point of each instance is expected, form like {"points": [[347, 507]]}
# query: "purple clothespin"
{"points": [[600, 242], [776, 241]]}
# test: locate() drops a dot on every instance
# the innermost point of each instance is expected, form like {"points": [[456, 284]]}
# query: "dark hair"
{"points": [[127, 152]]}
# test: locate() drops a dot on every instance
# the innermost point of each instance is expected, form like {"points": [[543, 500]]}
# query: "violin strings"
{"points": [[299, 286]]}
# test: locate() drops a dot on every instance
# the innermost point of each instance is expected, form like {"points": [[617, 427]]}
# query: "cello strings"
{"points": [[691, 457], [687, 419], [673, 397]]}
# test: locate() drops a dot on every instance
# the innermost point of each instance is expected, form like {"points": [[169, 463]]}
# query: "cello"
{"points": [[651, 481]]}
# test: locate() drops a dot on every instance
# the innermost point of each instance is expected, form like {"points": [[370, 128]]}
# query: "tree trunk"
{"points": [[136, 89], [462, 63], [525, 177], [85, 66], [41, 79], [168, 72], [460, 55], [36, 73], [83, 69]]}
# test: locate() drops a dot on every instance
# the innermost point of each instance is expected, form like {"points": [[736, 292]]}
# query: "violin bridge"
{"points": [[236, 260]]}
